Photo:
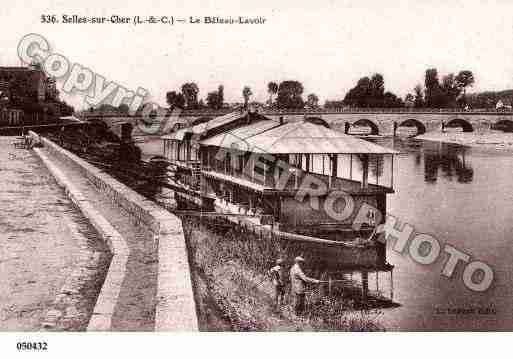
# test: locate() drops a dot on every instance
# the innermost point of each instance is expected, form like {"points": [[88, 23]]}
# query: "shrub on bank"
{"points": [[234, 265]]}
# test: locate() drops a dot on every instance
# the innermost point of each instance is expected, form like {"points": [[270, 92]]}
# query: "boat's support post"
{"points": [[391, 284], [322, 287], [365, 176], [365, 285]]}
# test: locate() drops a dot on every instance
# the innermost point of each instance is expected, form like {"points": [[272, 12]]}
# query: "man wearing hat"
{"points": [[277, 276], [298, 281]]}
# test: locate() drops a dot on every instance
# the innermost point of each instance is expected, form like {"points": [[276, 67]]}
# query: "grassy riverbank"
{"points": [[233, 293]]}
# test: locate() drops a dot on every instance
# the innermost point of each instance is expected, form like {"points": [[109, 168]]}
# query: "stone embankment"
{"points": [[52, 261], [148, 286]]}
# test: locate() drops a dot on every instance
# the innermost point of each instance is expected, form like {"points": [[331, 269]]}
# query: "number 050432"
{"points": [[32, 346]]}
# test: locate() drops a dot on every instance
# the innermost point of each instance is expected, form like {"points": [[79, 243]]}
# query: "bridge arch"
{"points": [[318, 121], [368, 123], [503, 125], [459, 122], [421, 128]]}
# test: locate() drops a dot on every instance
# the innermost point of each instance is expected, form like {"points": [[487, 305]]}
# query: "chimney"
{"points": [[281, 120]]}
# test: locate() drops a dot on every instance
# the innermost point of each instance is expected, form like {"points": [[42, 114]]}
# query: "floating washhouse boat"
{"points": [[290, 179]]}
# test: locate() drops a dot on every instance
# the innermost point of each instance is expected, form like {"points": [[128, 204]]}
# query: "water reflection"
{"points": [[440, 159], [376, 165], [448, 161], [464, 197]]}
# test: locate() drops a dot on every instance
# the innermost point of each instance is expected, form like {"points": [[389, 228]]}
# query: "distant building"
{"points": [[30, 95], [26, 84], [10, 117]]}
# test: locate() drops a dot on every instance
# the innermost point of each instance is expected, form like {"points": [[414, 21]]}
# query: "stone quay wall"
{"points": [[176, 308]]}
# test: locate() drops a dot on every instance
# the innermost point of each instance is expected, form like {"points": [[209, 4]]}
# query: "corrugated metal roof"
{"points": [[306, 137], [237, 135], [205, 126], [216, 122], [267, 136]]}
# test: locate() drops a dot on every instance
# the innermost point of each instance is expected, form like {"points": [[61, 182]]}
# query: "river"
{"points": [[464, 197]]}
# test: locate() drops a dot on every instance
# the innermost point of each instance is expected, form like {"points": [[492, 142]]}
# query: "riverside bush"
{"points": [[234, 263]]}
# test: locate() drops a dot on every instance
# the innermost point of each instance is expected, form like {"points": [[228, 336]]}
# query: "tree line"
{"points": [[489, 99], [285, 95], [368, 92], [448, 93]]}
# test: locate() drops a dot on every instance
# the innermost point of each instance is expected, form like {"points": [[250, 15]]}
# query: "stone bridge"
{"points": [[380, 122]]}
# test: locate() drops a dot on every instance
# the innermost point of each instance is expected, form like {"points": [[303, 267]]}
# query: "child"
{"points": [[277, 275]]}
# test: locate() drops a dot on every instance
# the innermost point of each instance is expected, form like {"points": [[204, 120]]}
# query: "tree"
{"points": [[359, 95], [363, 91], [488, 99], [463, 80], [433, 95], [430, 82], [246, 93], [376, 91], [272, 89], [220, 97], [450, 90], [390, 100], [190, 91], [175, 99], [213, 100], [312, 101], [409, 100], [368, 92], [289, 95], [419, 96]]}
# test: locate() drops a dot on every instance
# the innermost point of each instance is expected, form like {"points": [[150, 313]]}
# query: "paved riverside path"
{"points": [[135, 308], [45, 244]]}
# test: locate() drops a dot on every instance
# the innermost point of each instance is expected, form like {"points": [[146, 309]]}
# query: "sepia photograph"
{"points": [[216, 168]]}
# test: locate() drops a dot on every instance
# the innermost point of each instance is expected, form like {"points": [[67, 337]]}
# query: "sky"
{"points": [[326, 45]]}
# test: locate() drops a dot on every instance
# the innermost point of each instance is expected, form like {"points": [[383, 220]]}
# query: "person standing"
{"points": [[298, 281], [347, 126], [61, 136], [277, 276]]}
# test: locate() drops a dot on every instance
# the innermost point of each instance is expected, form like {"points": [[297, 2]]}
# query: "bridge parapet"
{"points": [[430, 119], [319, 111]]}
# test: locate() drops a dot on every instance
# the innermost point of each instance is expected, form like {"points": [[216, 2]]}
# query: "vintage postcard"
{"points": [[327, 166]]}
